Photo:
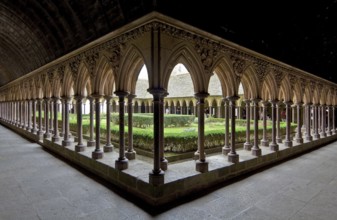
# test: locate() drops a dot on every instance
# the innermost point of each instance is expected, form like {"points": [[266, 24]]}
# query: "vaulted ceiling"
{"points": [[35, 32]]}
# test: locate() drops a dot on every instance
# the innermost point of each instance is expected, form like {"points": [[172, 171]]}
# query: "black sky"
{"points": [[300, 33]]}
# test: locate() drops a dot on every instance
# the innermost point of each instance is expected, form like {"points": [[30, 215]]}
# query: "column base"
{"points": [[97, 155], [108, 148], [197, 155], [91, 143], [308, 138], [274, 147], [131, 155], [299, 140], [317, 136], [163, 164], [328, 133], [279, 140], [201, 166], [322, 135], [122, 164], [247, 146], [333, 132], [288, 143], [75, 139], [264, 143], [233, 158], [256, 152], [46, 135], [225, 150], [55, 138], [66, 143], [61, 134], [156, 179], [79, 148], [34, 131]]}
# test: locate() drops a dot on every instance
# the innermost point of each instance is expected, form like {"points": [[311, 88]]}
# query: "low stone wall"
{"points": [[175, 186]]}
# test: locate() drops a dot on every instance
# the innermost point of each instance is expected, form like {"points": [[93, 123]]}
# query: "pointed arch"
{"points": [[67, 86], [101, 73], [187, 56], [226, 75], [285, 91], [82, 80]]}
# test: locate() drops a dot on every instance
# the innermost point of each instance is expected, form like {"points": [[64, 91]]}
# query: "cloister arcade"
{"points": [[107, 71]]}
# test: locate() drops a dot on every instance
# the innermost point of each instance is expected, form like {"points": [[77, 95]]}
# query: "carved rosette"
{"points": [[207, 56]]}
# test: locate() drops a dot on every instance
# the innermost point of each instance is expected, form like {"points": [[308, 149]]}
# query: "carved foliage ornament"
{"points": [[74, 64], [279, 75], [239, 66], [91, 60], [60, 72], [115, 57], [261, 70], [207, 56], [293, 81]]}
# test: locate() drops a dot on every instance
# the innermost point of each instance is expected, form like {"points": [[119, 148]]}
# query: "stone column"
{"points": [[264, 141], [51, 110], [333, 120], [226, 148], [108, 147], [40, 131], [63, 117], [232, 155], [316, 122], [308, 136], [299, 138], [256, 151], [66, 141], [288, 141], [131, 153], [163, 160], [278, 129], [293, 111], [79, 147], [122, 162], [319, 115], [46, 118], [29, 125], [328, 133], [91, 142], [34, 130], [97, 153], [201, 164], [247, 145], [323, 118], [156, 177], [273, 145], [56, 136]]}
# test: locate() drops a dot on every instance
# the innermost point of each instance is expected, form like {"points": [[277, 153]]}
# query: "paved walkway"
{"points": [[34, 184]]}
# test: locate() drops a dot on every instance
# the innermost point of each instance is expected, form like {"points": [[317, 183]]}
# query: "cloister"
{"points": [[107, 71]]}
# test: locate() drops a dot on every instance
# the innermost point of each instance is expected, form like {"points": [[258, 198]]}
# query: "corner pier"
{"points": [[180, 179]]}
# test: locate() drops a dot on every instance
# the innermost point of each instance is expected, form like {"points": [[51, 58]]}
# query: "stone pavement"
{"points": [[35, 184]]}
